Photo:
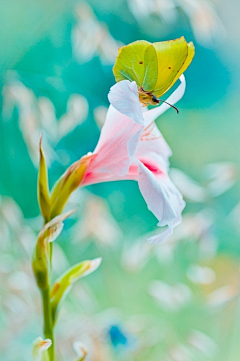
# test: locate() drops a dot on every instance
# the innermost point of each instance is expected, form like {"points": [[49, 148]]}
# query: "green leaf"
{"points": [[64, 283]]}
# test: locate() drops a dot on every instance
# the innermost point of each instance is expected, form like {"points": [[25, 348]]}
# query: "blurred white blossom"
{"points": [[136, 256], [37, 114], [91, 37], [171, 298], [100, 113], [180, 353], [96, 222], [201, 275], [80, 349], [222, 176], [197, 344], [189, 188], [19, 301], [203, 343], [234, 217], [206, 24], [194, 227], [221, 296]]}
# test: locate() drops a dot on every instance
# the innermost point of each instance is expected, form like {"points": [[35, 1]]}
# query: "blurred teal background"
{"points": [[173, 302]]}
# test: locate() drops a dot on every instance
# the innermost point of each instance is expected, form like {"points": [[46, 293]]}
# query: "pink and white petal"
{"points": [[94, 175], [151, 115], [124, 97], [162, 197], [152, 140], [155, 196], [176, 198], [117, 145]]}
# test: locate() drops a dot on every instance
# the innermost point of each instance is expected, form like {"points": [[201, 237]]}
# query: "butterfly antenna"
{"points": [[163, 101]]}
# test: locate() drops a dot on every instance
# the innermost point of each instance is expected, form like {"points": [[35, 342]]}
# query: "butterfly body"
{"points": [[147, 98]]}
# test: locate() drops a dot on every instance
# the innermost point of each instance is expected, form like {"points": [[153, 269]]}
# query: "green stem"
{"points": [[48, 324], [50, 253]]}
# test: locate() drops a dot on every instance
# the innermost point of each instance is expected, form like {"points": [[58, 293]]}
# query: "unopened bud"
{"points": [[43, 190]]}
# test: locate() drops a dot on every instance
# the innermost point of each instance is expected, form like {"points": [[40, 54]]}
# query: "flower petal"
{"points": [[120, 134], [116, 147], [152, 141], [124, 97], [163, 200]]}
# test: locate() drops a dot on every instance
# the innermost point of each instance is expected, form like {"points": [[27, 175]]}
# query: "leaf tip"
{"points": [[94, 264], [40, 145]]}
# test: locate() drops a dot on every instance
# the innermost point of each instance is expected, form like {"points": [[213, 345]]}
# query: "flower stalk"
{"points": [[48, 324], [51, 206]]}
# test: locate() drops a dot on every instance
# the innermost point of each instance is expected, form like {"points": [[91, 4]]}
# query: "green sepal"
{"points": [[66, 184], [43, 189], [64, 283]]}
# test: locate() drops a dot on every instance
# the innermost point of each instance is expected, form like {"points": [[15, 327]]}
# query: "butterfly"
{"points": [[155, 67]]}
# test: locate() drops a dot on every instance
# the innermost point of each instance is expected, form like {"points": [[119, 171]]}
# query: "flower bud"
{"points": [[43, 190]]}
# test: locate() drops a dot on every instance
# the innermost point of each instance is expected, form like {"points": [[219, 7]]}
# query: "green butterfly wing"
{"points": [[137, 62], [154, 67], [171, 56], [191, 53], [150, 69]]}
